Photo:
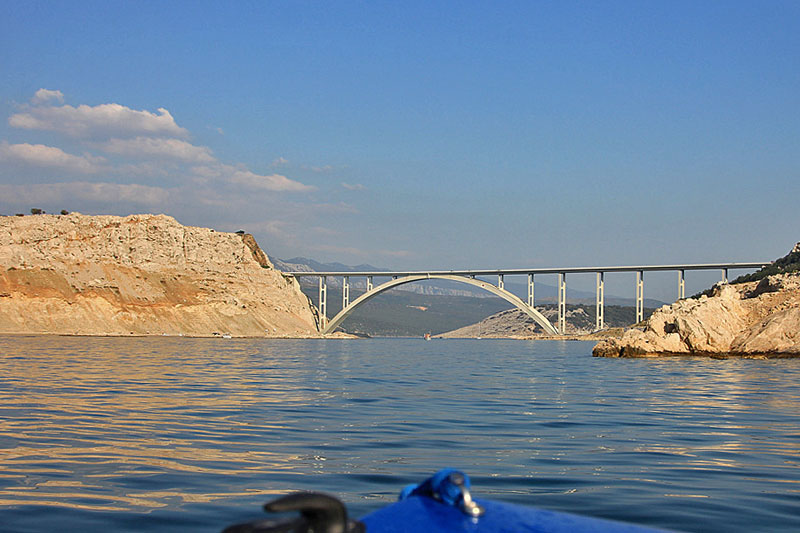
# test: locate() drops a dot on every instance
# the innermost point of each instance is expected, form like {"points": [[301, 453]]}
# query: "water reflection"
{"points": [[84, 419], [134, 426]]}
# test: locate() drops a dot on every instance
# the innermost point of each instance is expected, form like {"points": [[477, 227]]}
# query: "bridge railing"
{"points": [[600, 272]]}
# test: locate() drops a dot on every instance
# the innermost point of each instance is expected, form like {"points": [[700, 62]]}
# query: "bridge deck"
{"points": [[468, 276], [520, 271]]}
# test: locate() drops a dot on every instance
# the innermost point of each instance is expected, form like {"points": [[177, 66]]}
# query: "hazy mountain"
{"points": [[303, 264]]}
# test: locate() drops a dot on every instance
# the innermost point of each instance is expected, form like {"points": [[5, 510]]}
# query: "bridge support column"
{"points": [[530, 290], [724, 275], [345, 292], [599, 310], [639, 296], [323, 301], [369, 283], [562, 302], [500, 282], [681, 284]]}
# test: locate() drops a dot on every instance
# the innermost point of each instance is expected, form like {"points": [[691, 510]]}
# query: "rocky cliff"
{"points": [[756, 318], [141, 275]]}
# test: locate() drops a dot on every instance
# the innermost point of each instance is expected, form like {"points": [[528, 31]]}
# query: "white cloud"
{"points": [[43, 96], [249, 179], [40, 155], [326, 168], [275, 228], [140, 147], [273, 182], [143, 147], [353, 186], [280, 162], [104, 120], [76, 191], [144, 169]]}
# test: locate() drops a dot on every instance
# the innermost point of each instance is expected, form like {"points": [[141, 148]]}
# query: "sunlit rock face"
{"points": [[141, 274], [760, 318]]}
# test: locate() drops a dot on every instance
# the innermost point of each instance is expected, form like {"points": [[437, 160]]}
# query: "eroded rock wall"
{"points": [[141, 274], [752, 319]]}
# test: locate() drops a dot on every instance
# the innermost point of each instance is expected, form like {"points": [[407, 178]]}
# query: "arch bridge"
{"points": [[471, 277]]}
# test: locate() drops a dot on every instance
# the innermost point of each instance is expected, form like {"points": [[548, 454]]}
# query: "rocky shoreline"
{"points": [[757, 319]]}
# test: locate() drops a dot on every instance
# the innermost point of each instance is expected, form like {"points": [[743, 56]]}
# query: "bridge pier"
{"points": [[500, 283], [725, 275], [562, 302], [369, 283], [530, 290], [323, 301], [345, 291], [681, 284], [600, 301], [639, 296]]}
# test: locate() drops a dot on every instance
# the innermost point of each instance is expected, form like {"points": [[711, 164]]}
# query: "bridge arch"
{"points": [[502, 293]]}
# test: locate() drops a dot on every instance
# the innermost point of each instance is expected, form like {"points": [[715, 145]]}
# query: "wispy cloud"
{"points": [[145, 147], [272, 182], [72, 192], [104, 120], [280, 162], [353, 186], [41, 155], [249, 179], [43, 96], [138, 143]]}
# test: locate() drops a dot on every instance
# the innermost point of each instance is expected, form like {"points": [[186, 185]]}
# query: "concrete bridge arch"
{"points": [[539, 318]]}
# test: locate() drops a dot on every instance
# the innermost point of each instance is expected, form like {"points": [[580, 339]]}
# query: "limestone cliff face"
{"points": [[757, 319], [141, 274]]}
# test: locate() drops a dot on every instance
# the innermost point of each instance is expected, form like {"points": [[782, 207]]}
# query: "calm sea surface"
{"points": [[154, 434]]}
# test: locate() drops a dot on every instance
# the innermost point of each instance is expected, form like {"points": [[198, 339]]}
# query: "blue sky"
{"points": [[416, 134]]}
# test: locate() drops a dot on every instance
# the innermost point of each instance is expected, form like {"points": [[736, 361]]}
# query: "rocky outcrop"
{"points": [[759, 318], [141, 274], [514, 323]]}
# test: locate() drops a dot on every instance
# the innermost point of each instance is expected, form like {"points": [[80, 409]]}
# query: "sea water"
{"points": [[153, 434]]}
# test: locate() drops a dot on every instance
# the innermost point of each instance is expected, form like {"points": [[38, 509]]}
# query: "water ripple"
{"points": [[192, 434]]}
